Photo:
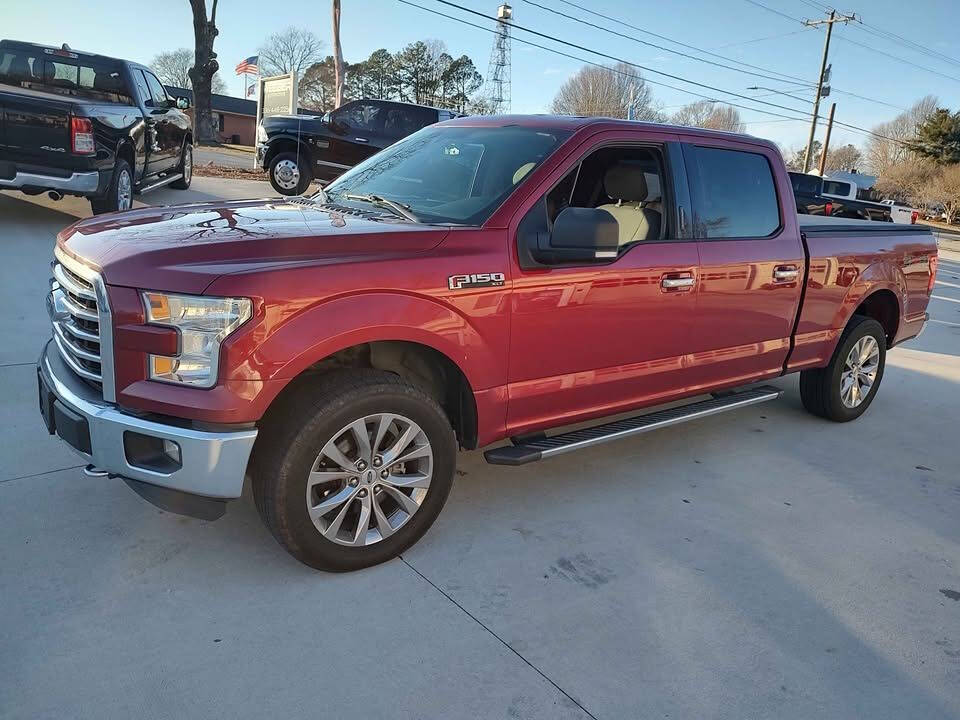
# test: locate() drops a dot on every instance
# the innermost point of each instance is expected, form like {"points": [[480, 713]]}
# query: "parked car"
{"points": [[75, 123], [297, 149], [838, 198], [484, 279], [901, 212]]}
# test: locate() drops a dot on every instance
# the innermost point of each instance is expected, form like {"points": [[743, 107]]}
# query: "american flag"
{"points": [[249, 66]]}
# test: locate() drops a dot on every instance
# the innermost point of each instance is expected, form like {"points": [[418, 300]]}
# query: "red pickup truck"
{"points": [[485, 278]]}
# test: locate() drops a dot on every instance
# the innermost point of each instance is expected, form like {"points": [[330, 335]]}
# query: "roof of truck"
{"points": [[572, 123]]}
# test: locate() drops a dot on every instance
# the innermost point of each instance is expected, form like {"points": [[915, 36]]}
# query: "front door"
{"points": [[605, 336], [163, 132], [357, 132], [751, 264]]}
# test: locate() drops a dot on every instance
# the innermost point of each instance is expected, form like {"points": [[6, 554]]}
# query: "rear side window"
{"points": [[158, 96], [832, 187], [401, 121], [733, 193]]}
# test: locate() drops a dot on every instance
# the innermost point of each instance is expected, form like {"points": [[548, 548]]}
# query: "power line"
{"points": [[906, 42], [625, 62], [765, 74], [759, 39], [855, 42]]}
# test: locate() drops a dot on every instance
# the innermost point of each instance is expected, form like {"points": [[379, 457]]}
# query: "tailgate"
{"points": [[34, 128]]}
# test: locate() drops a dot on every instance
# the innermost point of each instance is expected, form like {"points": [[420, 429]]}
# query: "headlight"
{"points": [[261, 134], [203, 323]]}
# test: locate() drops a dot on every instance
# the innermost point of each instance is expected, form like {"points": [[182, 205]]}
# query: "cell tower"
{"points": [[498, 72]]}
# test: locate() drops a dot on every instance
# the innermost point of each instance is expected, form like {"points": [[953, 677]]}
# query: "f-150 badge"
{"points": [[475, 280]]}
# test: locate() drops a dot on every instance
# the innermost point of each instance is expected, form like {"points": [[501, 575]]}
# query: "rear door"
{"points": [[402, 120], [751, 262]]}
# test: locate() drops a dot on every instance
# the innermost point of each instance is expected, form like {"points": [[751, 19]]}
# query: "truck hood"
{"points": [[184, 248]]}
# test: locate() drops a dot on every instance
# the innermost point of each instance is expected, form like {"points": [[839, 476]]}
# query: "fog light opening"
{"points": [[152, 453]]}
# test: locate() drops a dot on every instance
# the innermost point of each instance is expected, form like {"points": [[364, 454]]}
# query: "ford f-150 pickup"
{"points": [[484, 279]]}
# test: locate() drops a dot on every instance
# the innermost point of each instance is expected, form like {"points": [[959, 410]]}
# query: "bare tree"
{"points": [[607, 92], [911, 180], [709, 114], [946, 191], [888, 147], [292, 50], [843, 157], [338, 69], [173, 68], [205, 66]]}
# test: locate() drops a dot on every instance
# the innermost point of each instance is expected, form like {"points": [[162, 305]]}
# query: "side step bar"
{"points": [[538, 448], [161, 183]]}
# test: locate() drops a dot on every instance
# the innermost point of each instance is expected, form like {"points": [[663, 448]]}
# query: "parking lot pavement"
{"points": [[223, 156], [759, 564]]}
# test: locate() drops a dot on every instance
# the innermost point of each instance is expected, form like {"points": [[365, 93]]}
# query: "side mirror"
{"points": [[182, 103], [581, 235]]}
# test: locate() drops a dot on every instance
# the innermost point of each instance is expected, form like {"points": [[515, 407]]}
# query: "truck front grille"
{"points": [[76, 317]]}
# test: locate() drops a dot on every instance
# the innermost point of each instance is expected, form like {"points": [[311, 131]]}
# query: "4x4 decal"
{"points": [[475, 280]]}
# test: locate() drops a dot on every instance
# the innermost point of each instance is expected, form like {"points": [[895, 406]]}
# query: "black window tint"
{"points": [[804, 183], [832, 187], [158, 96], [733, 193], [361, 116], [142, 90]]}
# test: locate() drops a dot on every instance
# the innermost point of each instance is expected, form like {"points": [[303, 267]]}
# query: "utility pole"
{"points": [[829, 22], [826, 140]]}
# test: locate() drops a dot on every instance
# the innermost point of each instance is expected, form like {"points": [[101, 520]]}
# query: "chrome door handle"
{"points": [[785, 273], [673, 283], [360, 139]]}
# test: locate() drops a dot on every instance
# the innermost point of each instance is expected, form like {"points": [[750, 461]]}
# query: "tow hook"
{"points": [[94, 471]]}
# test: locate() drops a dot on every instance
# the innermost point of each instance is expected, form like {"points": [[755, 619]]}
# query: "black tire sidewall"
{"points": [[305, 176], [862, 327], [290, 480], [184, 183], [110, 201]]}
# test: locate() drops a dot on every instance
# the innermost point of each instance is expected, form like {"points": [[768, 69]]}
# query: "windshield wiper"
{"points": [[380, 201]]}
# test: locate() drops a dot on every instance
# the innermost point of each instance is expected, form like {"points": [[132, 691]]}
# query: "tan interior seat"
{"points": [[627, 184]]}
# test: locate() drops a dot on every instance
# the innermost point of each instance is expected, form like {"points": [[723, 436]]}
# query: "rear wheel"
{"points": [[119, 194], [354, 470], [844, 389], [186, 168], [290, 174]]}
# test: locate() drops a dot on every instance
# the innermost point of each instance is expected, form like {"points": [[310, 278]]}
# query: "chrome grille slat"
{"points": [[76, 314]]}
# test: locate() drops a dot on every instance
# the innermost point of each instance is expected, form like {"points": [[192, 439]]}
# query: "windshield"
{"points": [[457, 175]]}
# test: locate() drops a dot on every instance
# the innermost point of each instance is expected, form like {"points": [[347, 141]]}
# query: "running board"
{"points": [[161, 183], [533, 449]]}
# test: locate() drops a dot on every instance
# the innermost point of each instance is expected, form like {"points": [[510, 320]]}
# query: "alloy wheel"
{"points": [[124, 191], [859, 371], [369, 479]]}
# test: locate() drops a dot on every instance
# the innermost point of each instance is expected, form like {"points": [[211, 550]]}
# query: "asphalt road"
{"points": [[758, 564], [223, 156]]}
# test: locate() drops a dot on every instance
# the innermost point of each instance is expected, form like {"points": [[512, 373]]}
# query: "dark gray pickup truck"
{"points": [[74, 123]]}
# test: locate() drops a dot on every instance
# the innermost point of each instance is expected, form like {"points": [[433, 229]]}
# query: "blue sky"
{"points": [[722, 26]]}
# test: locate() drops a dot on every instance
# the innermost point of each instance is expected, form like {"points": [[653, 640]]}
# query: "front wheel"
{"points": [[844, 389], [353, 469], [290, 174]]}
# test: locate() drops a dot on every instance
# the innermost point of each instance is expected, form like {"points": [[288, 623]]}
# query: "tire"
{"points": [[119, 194], [823, 390], [289, 174], [291, 448], [186, 168]]}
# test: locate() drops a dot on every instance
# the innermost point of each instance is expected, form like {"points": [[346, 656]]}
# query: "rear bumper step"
{"points": [[541, 448]]}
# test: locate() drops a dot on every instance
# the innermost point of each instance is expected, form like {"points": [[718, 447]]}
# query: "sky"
{"points": [[737, 29]]}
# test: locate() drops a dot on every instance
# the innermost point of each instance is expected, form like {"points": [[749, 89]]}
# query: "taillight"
{"points": [[81, 136], [828, 208], [933, 272], [913, 217]]}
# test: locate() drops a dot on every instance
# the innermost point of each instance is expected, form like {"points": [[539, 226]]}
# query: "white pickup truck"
{"points": [[901, 212]]}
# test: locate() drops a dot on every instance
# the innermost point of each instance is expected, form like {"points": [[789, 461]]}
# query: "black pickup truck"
{"points": [[815, 199], [75, 123], [295, 149]]}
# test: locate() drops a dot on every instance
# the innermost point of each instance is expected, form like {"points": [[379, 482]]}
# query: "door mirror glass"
{"points": [[183, 103]]}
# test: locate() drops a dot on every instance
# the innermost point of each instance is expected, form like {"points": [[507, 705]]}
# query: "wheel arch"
{"points": [[285, 143]]}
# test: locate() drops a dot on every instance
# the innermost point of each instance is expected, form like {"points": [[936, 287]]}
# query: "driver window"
{"points": [[361, 116], [624, 181]]}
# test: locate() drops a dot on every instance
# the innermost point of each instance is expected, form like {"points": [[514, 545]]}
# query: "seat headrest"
{"points": [[625, 182], [106, 81]]}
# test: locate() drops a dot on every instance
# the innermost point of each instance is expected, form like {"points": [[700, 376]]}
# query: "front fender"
{"points": [[285, 347]]}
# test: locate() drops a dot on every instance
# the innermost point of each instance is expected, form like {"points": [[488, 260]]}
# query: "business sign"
{"points": [[277, 96]]}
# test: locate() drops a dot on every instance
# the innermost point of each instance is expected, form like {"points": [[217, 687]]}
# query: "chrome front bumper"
{"points": [[85, 183], [212, 463]]}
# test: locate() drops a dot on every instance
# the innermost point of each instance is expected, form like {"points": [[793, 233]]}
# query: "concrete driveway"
{"points": [[759, 564]]}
